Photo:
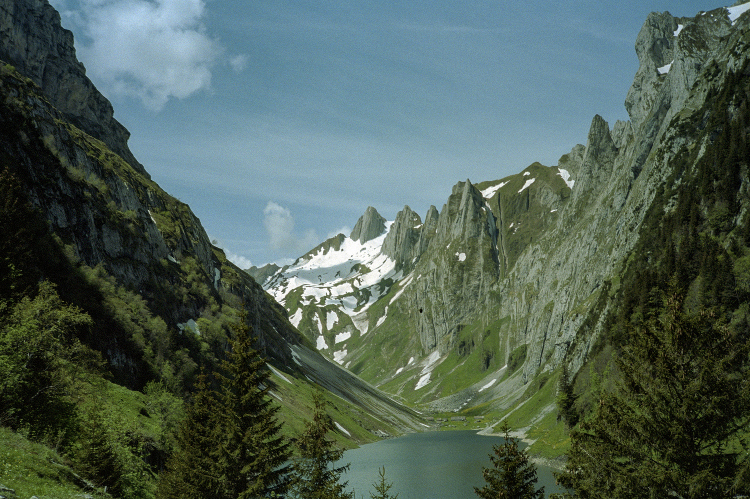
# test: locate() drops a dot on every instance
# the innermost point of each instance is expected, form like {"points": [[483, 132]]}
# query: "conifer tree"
{"points": [[191, 472], [566, 398], [512, 475], [382, 487], [252, 454], [676, 423], [316, 476]]}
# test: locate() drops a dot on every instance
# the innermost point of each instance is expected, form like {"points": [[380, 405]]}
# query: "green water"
{"points": [[432, 465]]}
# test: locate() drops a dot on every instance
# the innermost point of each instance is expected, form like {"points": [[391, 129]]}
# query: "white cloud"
{"points": [[346, 230], [239, 260], [150, 50], [238, 63], [279, 224]]}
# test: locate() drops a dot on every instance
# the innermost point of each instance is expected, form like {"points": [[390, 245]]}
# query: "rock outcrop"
{"points": [[58, 137], [402, 241], [533, 259], [33, 40], [369, 226]]}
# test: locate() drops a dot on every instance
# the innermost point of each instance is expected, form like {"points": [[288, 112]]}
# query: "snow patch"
{"points": [[399, 371], [422, 381], [665, 69], [342, 337], [736, 11], [342, 429], [526, 173], [334, 276], [490, 191], [278, 373], [404, 284], [296, 318], [339, 355], [461, 257], [528, 183], [430, 362], [679, 29], [411, 361], [488, 385], [321, 344], [565, 174], [382, 319], [331, 319]]}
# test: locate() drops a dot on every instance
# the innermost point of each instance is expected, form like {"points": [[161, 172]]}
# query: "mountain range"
{"points": [[473, 309], [438, 310]]}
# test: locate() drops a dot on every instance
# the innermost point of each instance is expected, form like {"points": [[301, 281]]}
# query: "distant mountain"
{"points": [[162, 297], [517, 276]]}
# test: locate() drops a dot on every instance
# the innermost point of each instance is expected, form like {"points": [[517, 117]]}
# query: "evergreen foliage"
{"points": [[111, 453], [230, 445], [316, 476], [191, 472], [566, 398], [382, 487], [512, 474], [676, 422], [252, 454]]}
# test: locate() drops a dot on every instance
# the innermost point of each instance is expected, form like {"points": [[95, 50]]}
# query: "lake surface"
{"points": [[431, 465]]}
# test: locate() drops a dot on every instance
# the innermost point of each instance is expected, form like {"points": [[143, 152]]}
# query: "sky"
{"points": [[279, 122]]}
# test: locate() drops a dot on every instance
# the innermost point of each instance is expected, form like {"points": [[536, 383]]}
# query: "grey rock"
{"points": [[7, 493], [369, 226], [429, 229], [402, 241], [108, 212], [32, 39]]}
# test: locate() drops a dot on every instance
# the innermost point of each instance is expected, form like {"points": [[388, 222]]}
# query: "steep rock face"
{"points": [[107, 213], [598, 163], [531, 262], [369, 226], [429, 229], [32, 40], [460, 266], [402, 241]]}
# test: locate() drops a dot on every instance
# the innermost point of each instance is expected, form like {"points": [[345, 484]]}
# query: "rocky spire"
{"points": [[428, 228], [402, 241], [369, 226]]}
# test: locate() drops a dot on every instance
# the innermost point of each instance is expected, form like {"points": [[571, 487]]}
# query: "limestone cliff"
{"points": [[58, 136], [369, 226], [529, 263], [32, 40]]}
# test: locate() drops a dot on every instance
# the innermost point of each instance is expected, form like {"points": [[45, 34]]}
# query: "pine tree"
{"points": [[382, 487], [512, 475], [566, 398], [675, 424], [191, 472], [252, 454], [316, 476]]}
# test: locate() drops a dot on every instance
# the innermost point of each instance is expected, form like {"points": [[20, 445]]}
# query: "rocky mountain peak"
{"points": [[35, 43], [598, 158], [402, 241], [600, 141], [460, 217], [369, 226]]}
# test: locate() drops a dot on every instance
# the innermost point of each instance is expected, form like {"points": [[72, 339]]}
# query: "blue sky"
{"points": [[279, 122]]}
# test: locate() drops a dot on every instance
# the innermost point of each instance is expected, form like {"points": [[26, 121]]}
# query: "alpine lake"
{"points": [[430, 465]]}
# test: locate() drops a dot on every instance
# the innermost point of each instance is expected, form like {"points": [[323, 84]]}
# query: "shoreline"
{"points": [[555, 463]]}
